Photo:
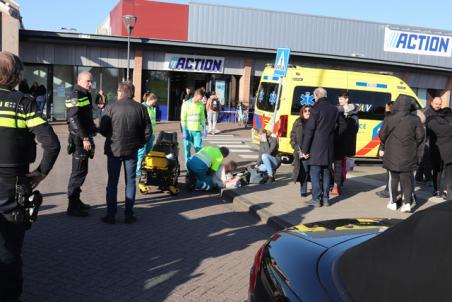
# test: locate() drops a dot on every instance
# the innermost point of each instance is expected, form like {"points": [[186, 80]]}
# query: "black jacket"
{"points": [[80, 113], [296, 141], [441, 126], [127, 127], [20, 125], [402, 133], [270, 147], [319, 133], [345, 144]]}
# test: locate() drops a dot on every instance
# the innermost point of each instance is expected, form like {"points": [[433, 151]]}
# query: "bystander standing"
{"points": [[300, 164], [402, 134], [127, 127], [213, 107], [441, 126], [345, 143], [149, 101], [318, 145]]}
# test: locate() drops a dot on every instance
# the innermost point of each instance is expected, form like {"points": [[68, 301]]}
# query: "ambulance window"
{"points": [[371, 103], [304, 95], [266, 97]]}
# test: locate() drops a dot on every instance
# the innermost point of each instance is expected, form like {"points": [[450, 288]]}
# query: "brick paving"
{"points": [[187, 248]]}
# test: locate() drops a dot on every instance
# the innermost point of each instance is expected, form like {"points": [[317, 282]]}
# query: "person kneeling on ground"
{"points": [[268, 151], [203, 165], [224, 177]]}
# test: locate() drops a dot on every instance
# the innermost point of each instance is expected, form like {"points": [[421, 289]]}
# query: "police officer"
{"points": [[81, 146], [193, 121], [19, 125]]}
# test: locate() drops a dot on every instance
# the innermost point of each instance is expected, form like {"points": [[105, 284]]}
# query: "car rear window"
{"points": [[371, 103], [266, 96]]}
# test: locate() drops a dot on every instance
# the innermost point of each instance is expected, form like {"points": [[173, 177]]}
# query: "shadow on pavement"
{"points": [[176, 240]]}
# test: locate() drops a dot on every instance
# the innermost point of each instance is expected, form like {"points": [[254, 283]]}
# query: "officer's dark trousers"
{"points": [[11, 240], [79, 170]]}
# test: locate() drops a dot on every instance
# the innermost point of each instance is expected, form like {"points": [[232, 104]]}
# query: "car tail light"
{"points": [[283, 125], [255, 269]]}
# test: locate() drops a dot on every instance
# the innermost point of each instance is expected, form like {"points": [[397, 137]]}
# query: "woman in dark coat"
{"points": [[300, 165], [441, 125], [402, 133]]}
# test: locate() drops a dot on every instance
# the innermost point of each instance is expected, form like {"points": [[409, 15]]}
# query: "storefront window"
{"points": [[63, 80], [157, 82], [109, 80], [36, 73]]}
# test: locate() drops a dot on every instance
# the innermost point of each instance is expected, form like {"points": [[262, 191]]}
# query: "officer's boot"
{"points": [[83, 206], [74, 208]]}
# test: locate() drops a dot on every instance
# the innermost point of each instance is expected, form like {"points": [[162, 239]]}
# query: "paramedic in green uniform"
{"points": [[193, 121], [149, 101], [204, 164]]}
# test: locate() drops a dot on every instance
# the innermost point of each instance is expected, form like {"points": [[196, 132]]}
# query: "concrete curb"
{"points": [[242, 204]]}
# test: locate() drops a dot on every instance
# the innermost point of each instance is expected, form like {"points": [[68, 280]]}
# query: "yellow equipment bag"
{"points": [[155, 160]]}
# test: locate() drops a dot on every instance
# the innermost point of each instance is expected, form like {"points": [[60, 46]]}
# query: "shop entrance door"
{"points": [[177, 87], [178, 82]]}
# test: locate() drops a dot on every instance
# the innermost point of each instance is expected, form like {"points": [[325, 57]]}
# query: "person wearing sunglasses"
{"points": [[300, 164]]}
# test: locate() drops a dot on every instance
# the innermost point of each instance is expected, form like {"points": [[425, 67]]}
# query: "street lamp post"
{"points": [[129, 23]]}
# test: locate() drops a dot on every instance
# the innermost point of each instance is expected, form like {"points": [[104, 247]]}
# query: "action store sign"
{"points": [[417, 43], [189, 63]]}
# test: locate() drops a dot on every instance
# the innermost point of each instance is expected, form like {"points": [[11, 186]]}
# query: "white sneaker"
{"points": [[392, 206], [406, 207]]}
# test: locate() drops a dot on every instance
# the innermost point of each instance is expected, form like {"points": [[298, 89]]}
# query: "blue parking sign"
{"points": [[281, 62]]}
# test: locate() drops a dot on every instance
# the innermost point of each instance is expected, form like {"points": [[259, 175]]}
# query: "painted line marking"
{"points": [[228, 142], [248, 156], [240, 151], [235, 146]]}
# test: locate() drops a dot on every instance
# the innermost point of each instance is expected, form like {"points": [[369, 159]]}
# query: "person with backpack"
{"points": [[402, 134], [213, 107]]}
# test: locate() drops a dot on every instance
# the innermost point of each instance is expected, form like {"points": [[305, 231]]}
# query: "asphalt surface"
{"points": [[193, 247]]}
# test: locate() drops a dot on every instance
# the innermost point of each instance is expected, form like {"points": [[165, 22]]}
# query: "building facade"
{"points": [[225, 49]]}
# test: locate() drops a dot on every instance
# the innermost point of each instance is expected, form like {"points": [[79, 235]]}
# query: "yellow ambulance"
{"points": [[369, 91]]}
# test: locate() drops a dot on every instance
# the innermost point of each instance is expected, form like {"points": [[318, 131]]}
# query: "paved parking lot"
{"points": [[190, 248]]}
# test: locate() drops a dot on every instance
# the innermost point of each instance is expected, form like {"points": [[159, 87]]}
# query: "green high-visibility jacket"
{"points": [[192, 116], [211, 156]]}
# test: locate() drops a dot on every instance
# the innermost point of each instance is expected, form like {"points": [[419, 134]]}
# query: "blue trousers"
{"points": [[199, 169], [142, 153], [114, 169], [269, 163], [320, 179], [193, 138]]}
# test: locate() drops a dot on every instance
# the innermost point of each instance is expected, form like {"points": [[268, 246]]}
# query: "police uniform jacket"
{"points": [[80, 113], [19, 126]]}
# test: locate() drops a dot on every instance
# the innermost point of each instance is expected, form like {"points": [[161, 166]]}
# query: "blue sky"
{"points": [[86, 15]]}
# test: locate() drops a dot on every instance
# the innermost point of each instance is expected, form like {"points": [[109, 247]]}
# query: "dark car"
{"points": [[358, 260]]}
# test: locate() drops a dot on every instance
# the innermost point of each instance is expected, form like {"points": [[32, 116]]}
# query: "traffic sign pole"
{"points": [[280, 70], [278, 95]]}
